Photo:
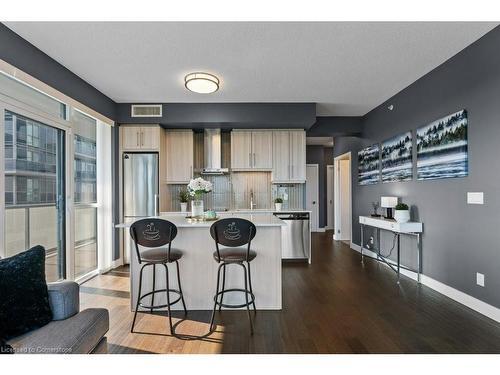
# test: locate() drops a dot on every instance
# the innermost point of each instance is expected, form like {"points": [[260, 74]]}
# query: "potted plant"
{"points": [[196, 188], [278, 202], [402, 213], [184, 198]]}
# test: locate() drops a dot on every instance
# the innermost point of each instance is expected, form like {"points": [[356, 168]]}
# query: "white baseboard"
{"points": [[319, 230], [473, 303], [116, 263], [337, 238], [328, 228]]}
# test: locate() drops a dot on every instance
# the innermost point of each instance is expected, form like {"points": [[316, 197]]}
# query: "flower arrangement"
{"points": [[198, 186]]}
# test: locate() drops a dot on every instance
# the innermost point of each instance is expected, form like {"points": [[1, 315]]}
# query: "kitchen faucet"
{"points": [[252, 205]]}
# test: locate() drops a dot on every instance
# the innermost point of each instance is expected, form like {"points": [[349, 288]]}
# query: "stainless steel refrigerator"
{"points": [[140, 190]]}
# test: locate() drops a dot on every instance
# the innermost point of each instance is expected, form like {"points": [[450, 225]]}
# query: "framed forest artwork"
{"points": [[442, 148]]}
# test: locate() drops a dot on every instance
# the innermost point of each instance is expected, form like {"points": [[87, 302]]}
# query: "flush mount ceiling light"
{"points": [[201, 83]]}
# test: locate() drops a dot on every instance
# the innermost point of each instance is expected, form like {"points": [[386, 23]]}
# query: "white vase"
{"points": [[402, 216], [197, 208], [184, 206], [278, 206]]}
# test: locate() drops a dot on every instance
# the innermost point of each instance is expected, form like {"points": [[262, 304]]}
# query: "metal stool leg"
{"points": [[138, 299], [168, 299], [223, 284], [180, 288], [154, 288], [246, 298], [251, 290], [215, 297]]}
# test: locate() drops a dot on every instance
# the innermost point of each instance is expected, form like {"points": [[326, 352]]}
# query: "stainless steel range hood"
{"points": [[213, 153]]}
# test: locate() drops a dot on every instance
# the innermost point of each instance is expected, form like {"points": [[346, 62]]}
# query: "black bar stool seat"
{"points": [[154, 234], [234, 255], [233, 233], [161, 255]]}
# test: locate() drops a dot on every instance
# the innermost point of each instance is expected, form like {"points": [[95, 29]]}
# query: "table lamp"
{"points": [[388, 203]]}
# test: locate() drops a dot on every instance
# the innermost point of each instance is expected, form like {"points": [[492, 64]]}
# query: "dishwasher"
{"points": [[295, 236]]}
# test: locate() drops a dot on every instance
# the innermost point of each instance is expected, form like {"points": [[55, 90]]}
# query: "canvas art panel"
{"points": [[397, 158], [369, 165], [442, 148]]}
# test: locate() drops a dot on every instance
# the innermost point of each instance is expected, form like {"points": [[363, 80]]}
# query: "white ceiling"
{"points": [[347, 68]]}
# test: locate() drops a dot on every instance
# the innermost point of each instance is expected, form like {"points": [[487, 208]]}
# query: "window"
{"points": [[35, 141], [85, 163], [27, 94]]}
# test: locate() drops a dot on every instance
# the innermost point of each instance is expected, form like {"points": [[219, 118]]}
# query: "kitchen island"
{"points": [[198, 268]]}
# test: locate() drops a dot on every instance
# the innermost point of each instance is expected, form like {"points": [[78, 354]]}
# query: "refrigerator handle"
{"points": [[157, 205]]}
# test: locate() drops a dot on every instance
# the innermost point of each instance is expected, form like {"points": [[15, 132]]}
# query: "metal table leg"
{"points": [[399, 256], [362, 241], [378, 242], [419, 257]]}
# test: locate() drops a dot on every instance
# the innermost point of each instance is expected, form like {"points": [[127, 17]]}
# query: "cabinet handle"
{"points": [[254, 160], [137, 138], [142, 138], [250, 159]]}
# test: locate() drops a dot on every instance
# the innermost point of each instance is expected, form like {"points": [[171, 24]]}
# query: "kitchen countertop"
{"points": [[243, 211], [261, 219]]}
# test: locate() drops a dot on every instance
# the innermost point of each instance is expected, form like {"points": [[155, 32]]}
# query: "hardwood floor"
{"points": [[335, 305]]}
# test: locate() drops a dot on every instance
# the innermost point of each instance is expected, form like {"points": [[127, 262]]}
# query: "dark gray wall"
{"points": [[228, 115], [323, 156], [459, 239], [334, 126], [25, 56]]}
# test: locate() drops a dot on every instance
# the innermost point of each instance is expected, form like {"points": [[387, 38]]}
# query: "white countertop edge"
{"points": [[180, 222], [257, 211]]}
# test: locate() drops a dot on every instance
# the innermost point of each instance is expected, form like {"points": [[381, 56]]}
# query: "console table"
{"points": [[410, 228]]}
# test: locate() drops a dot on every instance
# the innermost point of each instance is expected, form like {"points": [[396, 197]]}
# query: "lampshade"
{"points": [[388, 202]]}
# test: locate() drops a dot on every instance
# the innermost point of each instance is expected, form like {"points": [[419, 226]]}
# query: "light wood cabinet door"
{"points": [[179, 149], [281, 156], [262, 150], [241, 150], [131, 137], [150, 138], [298, 155]]}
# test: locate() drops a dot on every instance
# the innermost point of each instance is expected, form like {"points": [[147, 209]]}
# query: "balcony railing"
{"points": [[36, 224]]}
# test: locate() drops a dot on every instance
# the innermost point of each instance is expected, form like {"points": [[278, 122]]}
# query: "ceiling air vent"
{"points": [[146, 110]]}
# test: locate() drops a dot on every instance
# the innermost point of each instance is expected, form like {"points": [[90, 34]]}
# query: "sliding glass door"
{"points": [[53, 190], [34, 169]]}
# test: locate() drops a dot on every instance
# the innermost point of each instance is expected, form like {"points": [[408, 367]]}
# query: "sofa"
{"points": [[71, 330]]}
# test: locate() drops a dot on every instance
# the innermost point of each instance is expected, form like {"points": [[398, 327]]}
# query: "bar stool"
{"points": [[155, 234], [232, 233]]}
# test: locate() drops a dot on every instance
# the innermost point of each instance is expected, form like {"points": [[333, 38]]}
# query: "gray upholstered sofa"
{"points": [[71, 330]]}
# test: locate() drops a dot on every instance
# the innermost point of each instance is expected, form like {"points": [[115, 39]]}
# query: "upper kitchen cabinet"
{"points": [[145, 138], [289, 156], [251, 150], [179, 156], [241, 150]]}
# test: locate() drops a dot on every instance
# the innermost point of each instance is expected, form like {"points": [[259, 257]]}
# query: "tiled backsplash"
{"points": [[292, 194], [246, 182], [232, 192]]}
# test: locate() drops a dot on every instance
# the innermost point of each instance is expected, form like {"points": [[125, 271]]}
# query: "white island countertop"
{"points": [[259, 219]]}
